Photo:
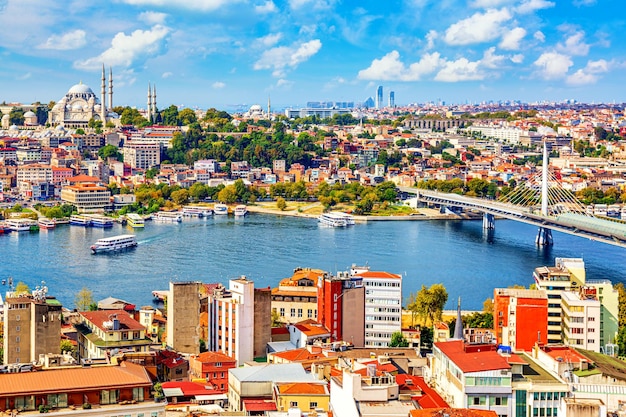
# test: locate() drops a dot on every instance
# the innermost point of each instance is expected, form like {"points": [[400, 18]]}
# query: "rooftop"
{"points": [[474, 360]]}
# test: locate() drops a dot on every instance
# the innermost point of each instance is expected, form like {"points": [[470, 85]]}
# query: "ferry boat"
{"points": [[4, 229], [348, 217], [79, 220], [332, 220], [199, 211], [220, 209], [134, 220], [46, 223], [600, 210], [623, 212], [241, 210], [101, 221], [613, 210], [113, 243], [167, 217], [22, 225]]}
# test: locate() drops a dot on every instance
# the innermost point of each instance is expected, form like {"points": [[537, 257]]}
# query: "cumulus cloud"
{"points": [[463, 69], [265, 8], [202, 5], [530, 6], [480, 27], [539, 36], [511, 39], [125, 49], [487, 4], [431, 36], [517, 58], [574, 45], [281, 58], [391, 68], [553, 65], [218, 85], [311, 4], [167, 74], [269, 40], [589, 74], [153, 18], [579, 3], [69, 40]]}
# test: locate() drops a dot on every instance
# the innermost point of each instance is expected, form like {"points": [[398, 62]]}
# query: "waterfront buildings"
{"points": [[581, 319], [212, 368], [520, 318], [32, 326], [87, 197]]}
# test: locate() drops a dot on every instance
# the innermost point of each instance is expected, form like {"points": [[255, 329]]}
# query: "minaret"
{"points": [[103, 105], [458, 326], [111, 88], [149, 107], [154, 106], [269, 108]]}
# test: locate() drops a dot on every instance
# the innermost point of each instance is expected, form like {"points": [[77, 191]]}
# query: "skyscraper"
{"points": [[392, 99], [379, 97]]}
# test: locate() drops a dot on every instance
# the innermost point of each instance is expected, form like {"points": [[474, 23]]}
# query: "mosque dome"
{"points": [[80, 89], [6, 117], [30, 114], [14, 127], [255, 108]]}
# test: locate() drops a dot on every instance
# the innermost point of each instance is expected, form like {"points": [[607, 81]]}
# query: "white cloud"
{"points": [[167, 74], [431, 36], [589, 74], [480, 27], [125, 49], [311, 4], [390, 68], [265, 8], [539, 36], [24, 76], [69, 40], [269, 40], [487, 4], [491, 60], [284, 83], [282, 57], [579, 3], [575, 45], [517, 58], [153, 18], [202, 5], [218, 85], [463, 69], [553, 65], [529, 6], [511, 40]]}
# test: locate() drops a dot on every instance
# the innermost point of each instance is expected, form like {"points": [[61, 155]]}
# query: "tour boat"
{"points": [[220, 209], [168, 217], [332, 220], [4, 229], [79, 220], [114, 243], [197, 211], [21, 225], [101, 221], [46, 223], [134, 220], [241, 210], [348, 217]]}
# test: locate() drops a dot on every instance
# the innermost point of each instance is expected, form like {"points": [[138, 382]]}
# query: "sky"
{"points": [[230, 54]]}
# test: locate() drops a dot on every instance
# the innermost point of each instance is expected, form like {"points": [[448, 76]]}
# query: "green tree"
{"points": [[227, 195], [398, 340], [109, 151], [21, 288], [67, 346], [187, 117], [281, 204], [16, 116], [429, 302], [180, 197], [170, 116], [84, 299]]}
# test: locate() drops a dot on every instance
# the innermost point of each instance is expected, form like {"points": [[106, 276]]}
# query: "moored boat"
{"points": [[241, 210], [114, 243], [21, 225], [80, 220], [167, 217], [134, 220], [46, 223], [197, 211], [220, 209], [347, 217], [332, 220]]}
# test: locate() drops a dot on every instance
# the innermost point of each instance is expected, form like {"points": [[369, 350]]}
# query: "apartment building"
{"points": [[520, 317], [183, 312], [142, 155], [581, 319], [87, 197], [295, 298]]}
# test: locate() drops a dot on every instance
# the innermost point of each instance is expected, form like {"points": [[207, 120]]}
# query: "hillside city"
{"points": [[321, 343]]}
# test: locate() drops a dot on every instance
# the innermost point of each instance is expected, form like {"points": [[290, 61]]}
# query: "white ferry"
{"points": [[46, 223], [613, 210], [21, 225], [79, 220], [113, 243], [332, 220], [135, 220], [241, 210], [348, 217], [199, 211], [168, 217], [600, 210], [220, 209], [101, 221]]}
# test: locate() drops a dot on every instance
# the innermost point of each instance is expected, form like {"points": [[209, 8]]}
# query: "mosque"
{"points": [[80, 105]]}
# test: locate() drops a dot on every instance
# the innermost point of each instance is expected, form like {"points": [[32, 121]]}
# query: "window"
{"points": [[17, 328], [293, 404], [282, 312], [299, 312], [57, 400], [498, 400], [25, 403], [313, 404], [138, 395], [124, 335], [293, 312], [309, 313], [109, 396]]}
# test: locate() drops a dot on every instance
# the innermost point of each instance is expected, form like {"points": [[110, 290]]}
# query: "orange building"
{"points": [[520, 318], [213, 368]]}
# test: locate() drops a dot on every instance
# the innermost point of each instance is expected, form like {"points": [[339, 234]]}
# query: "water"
{"points": [[267, 248]]}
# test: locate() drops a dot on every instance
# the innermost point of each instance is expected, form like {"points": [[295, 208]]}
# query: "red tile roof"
{"points": [[214, 357], [99, 317], [475, 361], [452, 412], [259, 405], [191, 388], [378, 274], [301, 388]]}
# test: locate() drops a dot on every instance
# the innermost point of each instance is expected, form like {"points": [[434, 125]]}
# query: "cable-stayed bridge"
{"points": [[540, 201]]}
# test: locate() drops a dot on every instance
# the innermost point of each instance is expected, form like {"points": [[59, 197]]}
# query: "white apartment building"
{"points": [[86, 197], [581, 319], [383, 305], [142, 155], [609, 311], [209, 165], [35, 173], [231, 320]]}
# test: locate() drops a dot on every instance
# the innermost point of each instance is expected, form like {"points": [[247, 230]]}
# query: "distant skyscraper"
{"points": [[379, 97], [369, 103], [392, 99]]}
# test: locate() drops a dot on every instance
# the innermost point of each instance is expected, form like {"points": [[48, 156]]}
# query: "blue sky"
{"points": [[222, 53]]}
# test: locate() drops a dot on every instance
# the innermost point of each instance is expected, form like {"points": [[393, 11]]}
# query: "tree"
{"points": [[84, 299], [109, 151], [21, 288], [429, 302], [398, 340], [227, 195], [187, 117], [180, 197], [67, 346], [488, 305], [281, 204], [16, 116]]}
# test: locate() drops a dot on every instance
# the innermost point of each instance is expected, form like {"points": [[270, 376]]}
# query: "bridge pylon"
{"points": [[489, 221], [544, 237]]}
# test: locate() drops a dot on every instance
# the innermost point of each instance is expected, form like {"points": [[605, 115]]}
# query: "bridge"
{"points": [[538, 202]]}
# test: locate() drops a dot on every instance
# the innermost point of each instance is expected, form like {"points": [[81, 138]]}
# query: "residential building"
{"points": [[303, 395], [520, 318], [337, 294], [87, 197], [103, 331], [212, 368], [295, 299], [142, 155], [183, 317], [32, 326], [34, 173], [609, 310], [279, 165], [209, 165], [581, 319]]}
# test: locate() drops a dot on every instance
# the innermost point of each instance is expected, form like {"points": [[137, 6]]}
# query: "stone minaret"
{"points": [[149, 107], [269, 108], [103, 105], [154, 104], [111, 88]]}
